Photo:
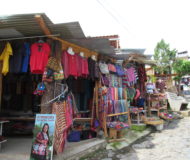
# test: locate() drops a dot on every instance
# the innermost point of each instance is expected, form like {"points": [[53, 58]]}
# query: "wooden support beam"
{"points": [[117, 114], [45, 29], [42, 24]]}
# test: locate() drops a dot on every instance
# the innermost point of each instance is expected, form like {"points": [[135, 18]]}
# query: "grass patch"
{"points": [[93, 154]]}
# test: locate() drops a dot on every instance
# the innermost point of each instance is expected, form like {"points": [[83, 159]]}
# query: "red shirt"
{"points": [[79, 67], [64, 61], [69, 63], [72, 65], [82, 66], [85, 71], [39, 57]]}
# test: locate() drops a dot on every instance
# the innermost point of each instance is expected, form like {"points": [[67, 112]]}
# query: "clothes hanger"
{"points": [[70, 51], [93, 57], [40, 40], [81, 54]]}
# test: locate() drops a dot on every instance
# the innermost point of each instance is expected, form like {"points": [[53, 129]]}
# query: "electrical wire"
{"points": [[113, 16]]}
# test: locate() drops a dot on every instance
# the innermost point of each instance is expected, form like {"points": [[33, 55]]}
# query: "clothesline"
{"points": [[9, 39]]}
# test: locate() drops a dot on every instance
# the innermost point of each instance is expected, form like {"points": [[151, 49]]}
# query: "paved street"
{"points": [[173, 143]]}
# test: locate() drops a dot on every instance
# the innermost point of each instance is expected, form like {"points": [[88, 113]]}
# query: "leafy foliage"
{"points": [[181, 67], [164, 57]]}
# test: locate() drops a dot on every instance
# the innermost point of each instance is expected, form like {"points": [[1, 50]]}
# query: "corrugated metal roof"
{"points": [[24, 25], [131, 50], [99, 45], [27, 25]]}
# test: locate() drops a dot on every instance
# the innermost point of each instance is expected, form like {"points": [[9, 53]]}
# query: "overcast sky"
{"points": [[139, 23]]}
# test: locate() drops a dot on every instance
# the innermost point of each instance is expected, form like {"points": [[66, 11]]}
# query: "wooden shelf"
{"points": [[82, 119], [19, 118], [117, 114], [3, 141]]}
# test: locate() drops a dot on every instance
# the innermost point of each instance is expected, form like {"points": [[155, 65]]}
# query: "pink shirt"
{"points": [[64, 61], [82, 66], [39, 57], [85, 71], [69, 63]]}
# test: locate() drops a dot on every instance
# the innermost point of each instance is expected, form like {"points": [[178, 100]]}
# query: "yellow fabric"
{"points": [[5, 58]]}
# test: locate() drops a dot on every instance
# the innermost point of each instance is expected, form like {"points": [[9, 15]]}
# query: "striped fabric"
{"points": [[59, 137]]}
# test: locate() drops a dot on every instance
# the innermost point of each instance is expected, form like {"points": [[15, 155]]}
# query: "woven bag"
{"points": [[59, 75], [53, 64]]}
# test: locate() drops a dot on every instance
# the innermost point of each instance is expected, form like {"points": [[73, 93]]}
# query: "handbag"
{"points": [[53, 64], [111, 68], [40, 89], [103, 89], [106, 81], [74, 136], [119, 70], [48, 75], [59, 75], [103, 68]]}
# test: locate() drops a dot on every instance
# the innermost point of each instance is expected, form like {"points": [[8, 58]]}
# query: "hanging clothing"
{"points": [[93, 69], [61, 126], [64, 62], [5, 58], [142, 78], [39, 57], [82, 66], [85, 71], [26, 58], [72, 65], [131, 74], [125, 80], [69, 63], [16, 59], [79, 66]]}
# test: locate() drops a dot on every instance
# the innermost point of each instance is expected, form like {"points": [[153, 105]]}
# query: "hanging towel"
{"points": [[5, 58], [116, 94], [120, 93]]}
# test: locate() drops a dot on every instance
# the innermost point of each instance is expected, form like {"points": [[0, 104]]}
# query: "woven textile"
{"points": [[60, 132]]}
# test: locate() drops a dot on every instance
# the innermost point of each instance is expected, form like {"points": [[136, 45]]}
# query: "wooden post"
{"points": [[45, 29], [1, 81], [148, 99]]}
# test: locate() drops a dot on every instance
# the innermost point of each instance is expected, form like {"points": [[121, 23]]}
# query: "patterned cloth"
{"points": [[40, 148], [61, 126]]}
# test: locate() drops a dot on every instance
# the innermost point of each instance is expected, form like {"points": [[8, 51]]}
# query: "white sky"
{"points": [[140, 23]]}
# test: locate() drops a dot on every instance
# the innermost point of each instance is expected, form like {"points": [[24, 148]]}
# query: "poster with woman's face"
{"points": [[43, 133]]}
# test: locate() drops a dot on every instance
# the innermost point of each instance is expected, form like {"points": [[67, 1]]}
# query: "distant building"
{"points": [[183, 55]]}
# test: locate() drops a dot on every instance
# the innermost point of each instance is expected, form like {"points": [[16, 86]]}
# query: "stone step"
{"points": [[75, 150], [185, 113]]}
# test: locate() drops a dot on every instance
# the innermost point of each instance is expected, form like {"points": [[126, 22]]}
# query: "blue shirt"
{"points": [[25, 60]]}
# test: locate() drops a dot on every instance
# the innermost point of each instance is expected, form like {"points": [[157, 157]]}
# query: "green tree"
{"points": [[181, 68], [164, 57]]}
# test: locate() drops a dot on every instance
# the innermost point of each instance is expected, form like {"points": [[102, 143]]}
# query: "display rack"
{"points": [[138, 118], [1, 131], [161, 105]]}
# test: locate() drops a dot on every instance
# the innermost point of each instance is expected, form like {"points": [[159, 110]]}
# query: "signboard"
{"points": [[43, 134]]}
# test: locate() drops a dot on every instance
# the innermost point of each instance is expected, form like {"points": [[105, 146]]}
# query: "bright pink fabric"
{"points": [[64, 61], [39, 57], [79, 66], [137, 95], [72, 65], [112, 93], [82, 66], [69, 63], [85, 71], [131, 74]]}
